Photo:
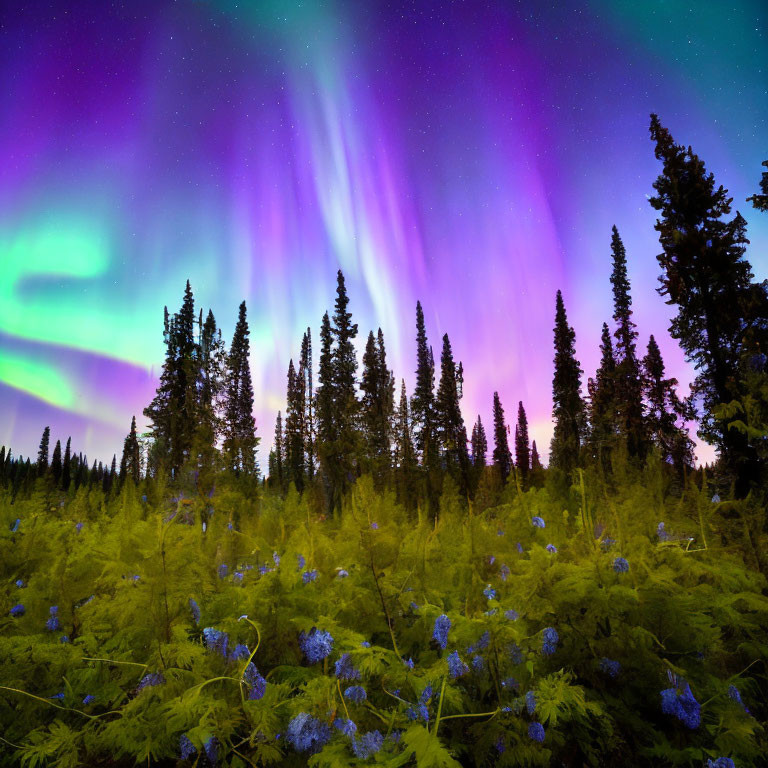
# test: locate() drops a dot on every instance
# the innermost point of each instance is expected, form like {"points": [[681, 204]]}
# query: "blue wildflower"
{"points": [[316, 645], [211, 748], [519, 548], [58, 696], [661, 532], [216, 640], [536, 732], [492, 612], [53, 624], [264, 570], [511, 614], [223, 570], [538, 522], [414, 606], [721, 762], [16, 524], [195, 608], [620, 565], [682, 705], [490, 592], [610, 667], [530, 702], [395, 736], [356, 693], [345, 670], [89, 699], [500, 746], [342, 574], [79, 527], [20, 583], [550, 639], [150, 680], [308, 576], [368, 744], [510, 683], [607, 543], [186, 747], [365, 644], [456, 667], [346, 726], [64, 639], [239, 652], [408, 663], [733, 693], [440, 632], [504, 572], [301, 562], [18, 610], [516, 653], [491, 559], [276, 559], [238, 577], [552, 549], [478, 663], [716, 498], [256, 683], [374, 526], [307, 734]]}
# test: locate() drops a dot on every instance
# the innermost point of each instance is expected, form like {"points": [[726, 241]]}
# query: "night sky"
{"points": [[472, 155]]}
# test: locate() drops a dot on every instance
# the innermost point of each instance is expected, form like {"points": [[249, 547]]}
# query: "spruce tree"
{"points": [[535, 460], [449, 423], [344, 361], [422, 402], [130, 464], [666, 412], [56, 467], [305, 372], [502, 457], [42, 454], [522, 445], [210, 389], [239, 428], [66, 467], [277, 456], [603, 422], [479, 444], [406, 466], [294, 430], [324, 404], [568, 406], [760, 201], [627, 380], [721, 314]]}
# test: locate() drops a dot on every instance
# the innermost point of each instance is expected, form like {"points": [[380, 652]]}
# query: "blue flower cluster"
{"points": [[530, 702], [307, 734], [456, 667], [422, 708], [504, 572], [356, 693], [256, 683], [536, 732], [301, 562], [18, 610], [150, 680], [89, 699], [195, 608], [538, 522], [186, 747], [408, 663], [478, 664], [53, 624], [482, 643], [342, 574], [367, 745], [316, 645], [20, 583], [345, 669], [490, 592], [440, 632], [308, 576], [721, 762], [620, 565], [550, 639], [682, 704], [510, 683], [239, 652], [211, 748], [661, 532], [552, 549], [733, 693], [516, 653], [216, 640], [610, 667], [346, 726], [223, 570], [511, 615]]}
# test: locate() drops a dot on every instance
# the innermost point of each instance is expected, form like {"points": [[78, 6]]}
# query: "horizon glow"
{"points": [[470, 155]]}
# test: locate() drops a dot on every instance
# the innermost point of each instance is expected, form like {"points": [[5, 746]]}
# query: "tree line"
{"points": [[352, 421]]}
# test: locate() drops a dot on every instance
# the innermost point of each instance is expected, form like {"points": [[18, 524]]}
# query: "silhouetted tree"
{"points": [[502, 457]]}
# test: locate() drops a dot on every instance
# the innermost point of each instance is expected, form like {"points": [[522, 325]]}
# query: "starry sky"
{"points": [[472, 155]]}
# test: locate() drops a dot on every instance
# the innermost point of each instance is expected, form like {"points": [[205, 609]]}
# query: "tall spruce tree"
{"points": [[535, 459], [721, 312], [406, 466], [568, 406], [210, 392], [276, 469], [130, 464], [66, 467], [628, 396], [305, 372], [760, 201], [449, 423], [479, 444], [423, 400], [603, 422], [502, 456], [522, 445], [666, 412], [42, 453], [56, 467], [239, 428], [294, 430]]}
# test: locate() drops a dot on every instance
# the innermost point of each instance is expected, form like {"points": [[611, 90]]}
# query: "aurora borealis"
{"points": [[472, 155]]}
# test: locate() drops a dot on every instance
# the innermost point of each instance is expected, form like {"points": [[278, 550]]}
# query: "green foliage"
{"points": [[692, 604]]}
